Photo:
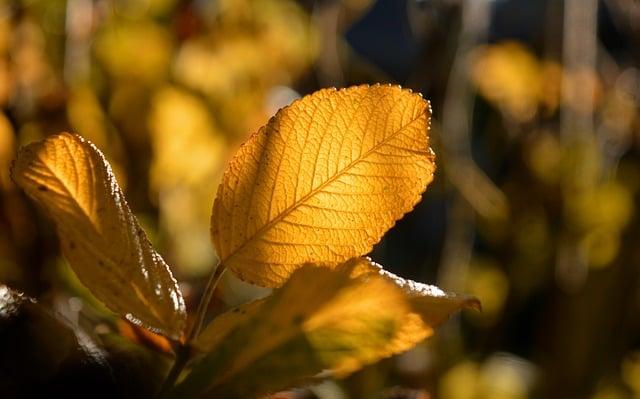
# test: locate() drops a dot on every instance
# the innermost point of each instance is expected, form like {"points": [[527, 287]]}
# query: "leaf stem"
{"points": [[198, 321], [182, 357], [183, 351]]}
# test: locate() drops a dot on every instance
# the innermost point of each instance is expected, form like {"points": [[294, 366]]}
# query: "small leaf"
{"points": [[322, 181], [102, 240], [321, 319]]}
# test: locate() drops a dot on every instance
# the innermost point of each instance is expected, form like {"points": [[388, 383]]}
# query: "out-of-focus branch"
{"points": [[461, 170], [458, 103], [77, 57], [326, 16], [579, 55]]}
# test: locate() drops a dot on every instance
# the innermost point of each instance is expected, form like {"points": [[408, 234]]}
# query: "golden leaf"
{"points": [[322, 181], [355, 315], [103, 242]]}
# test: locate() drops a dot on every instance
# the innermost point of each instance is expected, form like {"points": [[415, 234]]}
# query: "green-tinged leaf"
{"points": [[102, 240], [321, 320]]}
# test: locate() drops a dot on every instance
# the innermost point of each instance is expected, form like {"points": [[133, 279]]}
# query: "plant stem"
{"points": [[182, 357], [198, 321], [183, 351]]}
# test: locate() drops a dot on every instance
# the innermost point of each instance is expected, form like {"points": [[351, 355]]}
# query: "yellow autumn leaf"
{"points": [[103, 242], [320, 320], [322, 181]]}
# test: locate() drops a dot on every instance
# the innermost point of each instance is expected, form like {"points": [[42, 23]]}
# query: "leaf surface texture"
{"points": [[322, 181]]}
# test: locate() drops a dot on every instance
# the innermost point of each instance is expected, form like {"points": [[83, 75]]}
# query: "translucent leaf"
{"points": [[322, 181], [321, 320], [100, 237]]}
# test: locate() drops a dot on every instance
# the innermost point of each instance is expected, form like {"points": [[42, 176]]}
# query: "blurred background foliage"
{"points": [[533, 210]]}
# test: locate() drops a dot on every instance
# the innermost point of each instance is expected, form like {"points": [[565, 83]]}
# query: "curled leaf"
{"points": [[430, 305], [322, 181], [320, 320], [102, 240]]}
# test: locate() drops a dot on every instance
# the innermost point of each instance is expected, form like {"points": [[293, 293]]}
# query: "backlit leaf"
{"points": [[100, 237], [320, 320], [322, 181]]}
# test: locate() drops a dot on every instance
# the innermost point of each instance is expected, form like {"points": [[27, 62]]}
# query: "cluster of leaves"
{"points": [[539, 225], [299, 205]]}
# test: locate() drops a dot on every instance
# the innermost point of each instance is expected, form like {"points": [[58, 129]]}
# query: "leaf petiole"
{"points": [[183, 351], [201, 313]]}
